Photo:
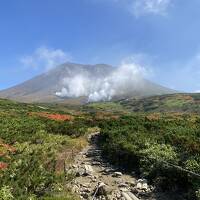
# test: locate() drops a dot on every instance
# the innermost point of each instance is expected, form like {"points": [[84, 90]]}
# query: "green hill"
{"points": [[164, 103]]}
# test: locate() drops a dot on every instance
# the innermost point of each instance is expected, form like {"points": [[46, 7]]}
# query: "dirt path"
{"points": [[97, 179]]}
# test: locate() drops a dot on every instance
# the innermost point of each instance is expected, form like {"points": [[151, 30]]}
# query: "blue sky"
{"points": [[161, 35]]}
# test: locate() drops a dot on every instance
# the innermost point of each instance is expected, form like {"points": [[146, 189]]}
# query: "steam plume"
{"points": [[126, 78]]}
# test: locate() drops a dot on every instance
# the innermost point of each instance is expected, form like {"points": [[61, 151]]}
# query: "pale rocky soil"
{"points": [[93, 172]]}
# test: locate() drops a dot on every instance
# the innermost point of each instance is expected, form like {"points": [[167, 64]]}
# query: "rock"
{"points": [[129, 196], [135, 190], [139, 186], [86, 190], [85, 195], [117, 174], [88, 170], [123, 185], [80, 172], [75, 189], [85, 185], [96, 163], [110, 197], [142, 184], [103, 189], [132, 196], [118, 195], [131, 183], [123, 189], [93, 178], [107, 171]]}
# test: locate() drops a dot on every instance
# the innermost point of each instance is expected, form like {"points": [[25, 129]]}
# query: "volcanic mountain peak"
{"points": [[72, 82]]}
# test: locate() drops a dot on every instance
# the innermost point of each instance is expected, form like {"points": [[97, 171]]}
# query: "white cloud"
{"points": [[45, 58], [143, 62], [124, 79], [144, 7]]}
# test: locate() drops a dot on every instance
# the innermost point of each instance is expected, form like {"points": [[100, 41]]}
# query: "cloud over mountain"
{"points": [[75, 82], [46, 58], [122, 80]]}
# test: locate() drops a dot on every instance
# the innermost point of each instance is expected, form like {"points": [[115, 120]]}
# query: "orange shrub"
{"points": [[57, 117], [3, 165]]}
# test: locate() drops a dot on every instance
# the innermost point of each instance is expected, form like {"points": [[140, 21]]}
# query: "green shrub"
{"points": [[5, 193]]}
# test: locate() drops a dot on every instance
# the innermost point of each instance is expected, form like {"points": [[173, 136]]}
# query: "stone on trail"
{"points": [[103, 189], [117, 174], [142, 184], [123, 185], [88, 170], [80, 172], [129, 196], [96, 163], [85, 195], [132, 183], [124, 189]]}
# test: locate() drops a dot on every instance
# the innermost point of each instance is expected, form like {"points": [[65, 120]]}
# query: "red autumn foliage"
{"points": [[57, 117], [3, 165], [6, 148]]}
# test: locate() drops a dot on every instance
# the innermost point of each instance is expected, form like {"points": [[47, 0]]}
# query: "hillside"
{"points": [[77, 81], [39, 141], [163, 103], [162, 147], [35, 142]]}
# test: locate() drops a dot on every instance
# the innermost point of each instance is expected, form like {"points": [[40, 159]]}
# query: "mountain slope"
{"points": [[43, 88], [164, 103]]}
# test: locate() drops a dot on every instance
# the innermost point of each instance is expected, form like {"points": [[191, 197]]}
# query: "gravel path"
{"points": [[97, 179]]}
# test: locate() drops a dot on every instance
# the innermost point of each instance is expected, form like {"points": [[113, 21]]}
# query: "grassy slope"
{"points": [[33, 149], [164, 103], [151, 131], [37, 134], [145, 142]]}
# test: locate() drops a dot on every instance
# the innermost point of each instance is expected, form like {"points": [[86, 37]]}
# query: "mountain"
{"points": [[43, 88]]}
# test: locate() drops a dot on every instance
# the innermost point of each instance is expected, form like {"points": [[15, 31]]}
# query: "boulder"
{"points": [[117, 174]]}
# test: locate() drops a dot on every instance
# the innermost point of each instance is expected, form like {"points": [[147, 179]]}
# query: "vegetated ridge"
{"points": [[182, 102]]}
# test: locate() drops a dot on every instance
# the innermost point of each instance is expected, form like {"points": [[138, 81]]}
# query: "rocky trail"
{"points": [[96, 179]]}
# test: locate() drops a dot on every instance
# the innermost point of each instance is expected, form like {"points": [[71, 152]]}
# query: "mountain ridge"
{"points": [[43, 88]]}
